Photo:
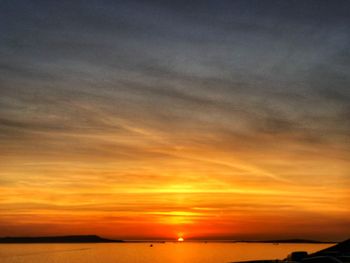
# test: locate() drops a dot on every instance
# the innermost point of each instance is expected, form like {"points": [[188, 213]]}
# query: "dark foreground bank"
{"points": [[339, 253]]}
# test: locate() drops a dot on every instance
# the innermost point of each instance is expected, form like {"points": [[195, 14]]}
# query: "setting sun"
{"points": [[180, 239]]}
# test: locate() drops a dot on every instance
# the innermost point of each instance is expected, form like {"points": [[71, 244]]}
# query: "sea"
{"points": [[169, 252]]}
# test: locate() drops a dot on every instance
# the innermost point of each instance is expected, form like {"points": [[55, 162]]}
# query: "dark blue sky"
{"points": [[277, 62]]}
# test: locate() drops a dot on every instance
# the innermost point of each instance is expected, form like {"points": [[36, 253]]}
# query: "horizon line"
{"points": [[285, 240]]}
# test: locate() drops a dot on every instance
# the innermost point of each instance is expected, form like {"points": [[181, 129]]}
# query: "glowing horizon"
{"points": [[145, 120]]}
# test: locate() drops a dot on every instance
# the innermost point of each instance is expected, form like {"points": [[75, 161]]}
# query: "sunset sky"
{"points": [[160, 119]]}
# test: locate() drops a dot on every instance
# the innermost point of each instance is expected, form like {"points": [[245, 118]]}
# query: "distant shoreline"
{"points": [[97, 239], [289, 241], [57, 239]]}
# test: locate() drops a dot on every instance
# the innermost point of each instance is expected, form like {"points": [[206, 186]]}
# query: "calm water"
{"points": [[143, 253]]}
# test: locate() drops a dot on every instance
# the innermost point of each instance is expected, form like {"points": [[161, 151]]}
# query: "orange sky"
{"points": [[142, 120], [171, 186]]}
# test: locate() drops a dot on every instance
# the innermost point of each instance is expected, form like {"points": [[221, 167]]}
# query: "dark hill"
{"points": [[58, 239]]}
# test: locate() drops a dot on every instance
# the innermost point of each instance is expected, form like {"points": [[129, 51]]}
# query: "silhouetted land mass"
{"points": [[58, 239], [338, 249]]}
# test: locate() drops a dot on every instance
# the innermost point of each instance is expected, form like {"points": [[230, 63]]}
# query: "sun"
{"points": [[181, 239]]}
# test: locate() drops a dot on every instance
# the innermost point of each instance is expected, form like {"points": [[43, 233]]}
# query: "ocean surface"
{"points": [[189, 252]]}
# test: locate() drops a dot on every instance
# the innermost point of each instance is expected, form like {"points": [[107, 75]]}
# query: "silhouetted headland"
{"points": [[58, 239]]}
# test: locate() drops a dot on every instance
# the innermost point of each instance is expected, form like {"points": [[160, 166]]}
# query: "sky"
{"points": [[160, 119]]}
